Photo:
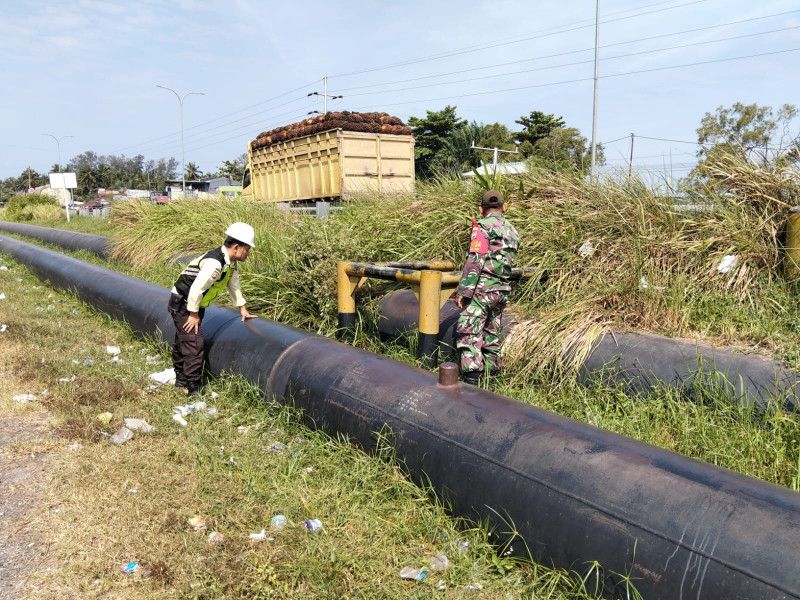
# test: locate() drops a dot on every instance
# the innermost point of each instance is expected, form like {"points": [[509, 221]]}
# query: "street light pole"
{"points": [[58, 144], [180, 102]]}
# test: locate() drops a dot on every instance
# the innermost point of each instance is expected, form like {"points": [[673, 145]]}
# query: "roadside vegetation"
{"points": [[108, 505], [619, 254]]}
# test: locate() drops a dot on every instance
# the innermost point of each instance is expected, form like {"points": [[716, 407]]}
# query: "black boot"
{"points": [[472, 377], [180, 381]]}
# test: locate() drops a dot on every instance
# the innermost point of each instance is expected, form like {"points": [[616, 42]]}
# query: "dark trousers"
{"points": [[187, 351]]}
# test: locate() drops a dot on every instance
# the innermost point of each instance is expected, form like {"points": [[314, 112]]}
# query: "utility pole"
{"points": [[495, 150], [325, 95], [630, 164], [594, 102], [29, 177]]}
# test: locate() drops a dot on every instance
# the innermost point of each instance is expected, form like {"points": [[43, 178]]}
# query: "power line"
{"points": [[583, 79], [223, 116], [507, 43], [646, 39], [572, 64], [227, 130]]}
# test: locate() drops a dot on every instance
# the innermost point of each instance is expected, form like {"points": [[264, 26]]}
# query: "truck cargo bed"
{"points": [[331, 164]]}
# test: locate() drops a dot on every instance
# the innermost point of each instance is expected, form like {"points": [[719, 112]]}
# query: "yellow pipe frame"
{"points": [[791, 262], [347, 285]]}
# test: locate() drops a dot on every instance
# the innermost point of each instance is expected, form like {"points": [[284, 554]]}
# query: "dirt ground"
{"points": [[23, 548]]}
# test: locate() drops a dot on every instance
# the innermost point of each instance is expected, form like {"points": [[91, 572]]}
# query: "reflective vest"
{"points": [[189, 274]]}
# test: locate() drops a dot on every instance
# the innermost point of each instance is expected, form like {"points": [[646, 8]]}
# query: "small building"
{"points": [[202, 185]]}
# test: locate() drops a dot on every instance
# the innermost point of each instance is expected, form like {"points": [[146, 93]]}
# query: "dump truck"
{"points": [[330, 157]]}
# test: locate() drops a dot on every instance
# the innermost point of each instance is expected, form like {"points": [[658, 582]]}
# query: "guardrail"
{"points": [[432, 282]]}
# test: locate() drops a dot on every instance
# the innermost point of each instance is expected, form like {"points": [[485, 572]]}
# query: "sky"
{"points": [[82, 75]]}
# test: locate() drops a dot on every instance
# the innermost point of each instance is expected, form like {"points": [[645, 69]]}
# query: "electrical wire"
{"points": [[499, 44], [572, 64], [583, 79], [306, 86], [602, 47]]}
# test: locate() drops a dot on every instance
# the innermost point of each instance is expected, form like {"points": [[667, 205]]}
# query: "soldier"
{"points": [[197, 287], [484, 288]]}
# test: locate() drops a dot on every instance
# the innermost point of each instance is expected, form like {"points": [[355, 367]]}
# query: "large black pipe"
{"points": [[679, 527], [71, 240], [637, 362]]}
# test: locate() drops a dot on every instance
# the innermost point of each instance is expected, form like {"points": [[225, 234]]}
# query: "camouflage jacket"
{"points": [[490, 257]]}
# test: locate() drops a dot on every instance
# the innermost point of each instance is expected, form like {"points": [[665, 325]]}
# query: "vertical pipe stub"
{"points": [[448, 374]]}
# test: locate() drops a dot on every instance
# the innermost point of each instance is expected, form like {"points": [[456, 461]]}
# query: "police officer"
{"points": [[196, 288], [484, 288]]}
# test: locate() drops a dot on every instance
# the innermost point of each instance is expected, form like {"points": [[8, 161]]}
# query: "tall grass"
{"points": [[653, 266]]}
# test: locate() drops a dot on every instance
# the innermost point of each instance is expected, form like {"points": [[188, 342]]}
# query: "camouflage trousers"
{"points": [[478, 331]]}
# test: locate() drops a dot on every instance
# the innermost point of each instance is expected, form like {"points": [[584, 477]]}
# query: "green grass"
{"points": [[291, 277], [375, 520]]}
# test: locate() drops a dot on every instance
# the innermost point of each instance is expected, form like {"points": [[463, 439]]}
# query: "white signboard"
{"points": [[63, 181]]}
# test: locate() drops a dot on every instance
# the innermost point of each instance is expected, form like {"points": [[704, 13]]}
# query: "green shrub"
{"points": [[21, 208]]}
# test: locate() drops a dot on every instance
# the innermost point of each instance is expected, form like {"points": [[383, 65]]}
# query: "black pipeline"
{"points": [[679, 527], [638, 362], [71, 240]]}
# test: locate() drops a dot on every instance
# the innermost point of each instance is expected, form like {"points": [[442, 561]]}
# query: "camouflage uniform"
{"points": [[485, 283]]}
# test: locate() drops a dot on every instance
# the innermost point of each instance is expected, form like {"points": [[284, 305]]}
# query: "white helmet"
{"points": [[242, 232]]}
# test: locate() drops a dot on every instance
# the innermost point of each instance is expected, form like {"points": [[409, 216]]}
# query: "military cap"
{"points": [[492, 199]]}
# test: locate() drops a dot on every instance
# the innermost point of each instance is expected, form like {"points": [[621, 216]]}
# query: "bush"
{"points": [[21, 208]]}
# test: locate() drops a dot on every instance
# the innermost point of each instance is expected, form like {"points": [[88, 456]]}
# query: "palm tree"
{"points": [[193, 171], [87, 179]]}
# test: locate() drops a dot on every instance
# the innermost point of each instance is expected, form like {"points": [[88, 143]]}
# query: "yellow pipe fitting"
{"points": [[430, 289], [791, 261]]}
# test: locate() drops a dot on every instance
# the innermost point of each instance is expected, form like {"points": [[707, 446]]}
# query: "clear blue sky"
{"points": [[89, 69]]}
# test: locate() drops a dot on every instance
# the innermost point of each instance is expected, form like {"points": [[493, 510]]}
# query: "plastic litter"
{"points": [[413, 574], [131, 567], [123, 435], [4, 268], [441, 585], [88, 362], [728, 263], [2, 296], [475, 586], [67, 379], [313, 524], [180, 420], [75, 446], [105, 417], [112, 350], [75, 312], [3, 328], [277, 448], [586, 249], [439, 562], [462, 546], [133, 491], [261, 536], [152, 359], [278, 522], [644, 285], [197, 523], [139, 425], [165, 377], [23, 398], [215, 536], [199, 406], [51, 306]]}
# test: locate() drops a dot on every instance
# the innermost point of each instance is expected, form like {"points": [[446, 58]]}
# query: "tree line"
{"points": [[443, 145]]}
